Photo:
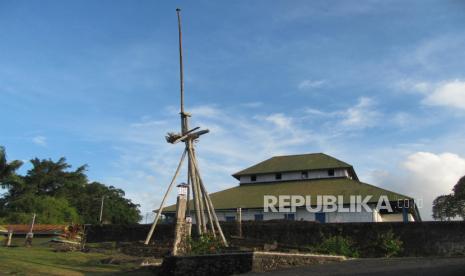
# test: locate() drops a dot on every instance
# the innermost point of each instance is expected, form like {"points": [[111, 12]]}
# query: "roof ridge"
{"points": [[300, 154], [294, 162]]}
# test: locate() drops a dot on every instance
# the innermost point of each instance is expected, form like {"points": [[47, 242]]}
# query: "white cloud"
{"points": [[361, 115], [423, 175], [204, 111], [311, 84], [40, 140], [446, 93], [280, 120], [436, 173], [434, 53], [432, 175], [449, 94], [409, 85]]}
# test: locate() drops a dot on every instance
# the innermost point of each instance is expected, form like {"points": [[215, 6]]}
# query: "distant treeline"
{"points": [[59, 195]]}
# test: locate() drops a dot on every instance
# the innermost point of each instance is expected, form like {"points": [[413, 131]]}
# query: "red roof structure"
{"points": [[39, 229]]}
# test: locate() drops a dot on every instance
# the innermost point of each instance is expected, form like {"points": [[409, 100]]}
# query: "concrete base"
{"points": [[242, 262]]}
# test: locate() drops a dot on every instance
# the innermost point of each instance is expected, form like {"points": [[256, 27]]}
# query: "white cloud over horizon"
{"points": [[424, 176], [448, 94]]}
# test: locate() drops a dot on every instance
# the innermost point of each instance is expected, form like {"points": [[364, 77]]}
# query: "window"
{"points": [[278, 176], [320, 217], [289, 216], [304, 175], [258, 217], [253, 178], [230, 218], [331, 172]]}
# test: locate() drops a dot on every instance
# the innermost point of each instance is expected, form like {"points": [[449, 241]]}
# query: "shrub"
{"points": [[389, 244], [338, 245], [205, 244]]}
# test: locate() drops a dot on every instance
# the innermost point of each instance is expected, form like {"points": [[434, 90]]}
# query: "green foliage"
{"points": [[49, 210], [459, 189], [384, 244], [389, 245], [205, 244], [447, 207], [58, 195], [7, 169], [337, 245]]}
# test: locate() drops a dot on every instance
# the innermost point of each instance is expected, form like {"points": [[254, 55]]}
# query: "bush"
{"points": [[389, 244], [381, 244], [338, 245], [205, 244]]}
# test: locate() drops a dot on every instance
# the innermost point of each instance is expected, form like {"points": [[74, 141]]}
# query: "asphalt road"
{"points": [[392, 266]]}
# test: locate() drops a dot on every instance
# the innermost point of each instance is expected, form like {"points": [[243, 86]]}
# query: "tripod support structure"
{"points": [[206, 220]]}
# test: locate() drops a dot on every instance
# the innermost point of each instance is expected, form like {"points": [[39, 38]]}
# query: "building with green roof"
{"points": [[283, 182]]}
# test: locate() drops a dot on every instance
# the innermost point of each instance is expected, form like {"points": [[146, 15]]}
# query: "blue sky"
{"points": [[378, 84]]}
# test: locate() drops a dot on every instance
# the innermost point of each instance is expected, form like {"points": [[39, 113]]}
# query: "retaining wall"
{"points": [[419, 238], [237, 263]]}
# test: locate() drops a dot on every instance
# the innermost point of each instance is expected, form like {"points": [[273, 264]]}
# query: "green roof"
{"points": [[251, 195], [289, 163]]}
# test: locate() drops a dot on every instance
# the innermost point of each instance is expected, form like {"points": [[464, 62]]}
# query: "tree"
{"points": [[444, 207], [59, 194], [49, 210], [447, 207], [7, 170], [116, 209], [54, 178], [459, 193], [459, 189]]}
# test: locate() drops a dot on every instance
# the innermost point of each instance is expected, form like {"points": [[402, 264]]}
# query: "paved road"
{"points": [[378, 267]]}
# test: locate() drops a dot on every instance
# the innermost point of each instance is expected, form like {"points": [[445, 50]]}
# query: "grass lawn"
{"points": [[42, 260]]}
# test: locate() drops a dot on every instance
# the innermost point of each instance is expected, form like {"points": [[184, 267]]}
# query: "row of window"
{"points": [[320, 217], [304, 175], [259, 217]]}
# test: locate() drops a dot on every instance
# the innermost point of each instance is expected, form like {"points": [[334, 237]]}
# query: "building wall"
{"points": [[395, 218], [350, 217], [303, 214], [317, 174]]}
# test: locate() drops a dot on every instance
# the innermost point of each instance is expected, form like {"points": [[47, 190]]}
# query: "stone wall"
{"points": [[237, 263], [127, 233], [419, 238]]}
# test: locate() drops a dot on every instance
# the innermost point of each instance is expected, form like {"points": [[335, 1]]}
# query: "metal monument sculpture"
{"points": [[206, 219]]}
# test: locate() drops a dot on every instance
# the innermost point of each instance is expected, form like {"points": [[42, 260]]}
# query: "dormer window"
{"points": [[304, 175], [253, 178], [331, 172], [278, 176]]}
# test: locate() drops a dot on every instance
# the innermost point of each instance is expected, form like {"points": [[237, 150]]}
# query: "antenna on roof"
{"points": [[205, 215]]}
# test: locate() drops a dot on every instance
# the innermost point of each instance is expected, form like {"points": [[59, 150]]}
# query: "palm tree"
{"points": [[7, 170]]}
